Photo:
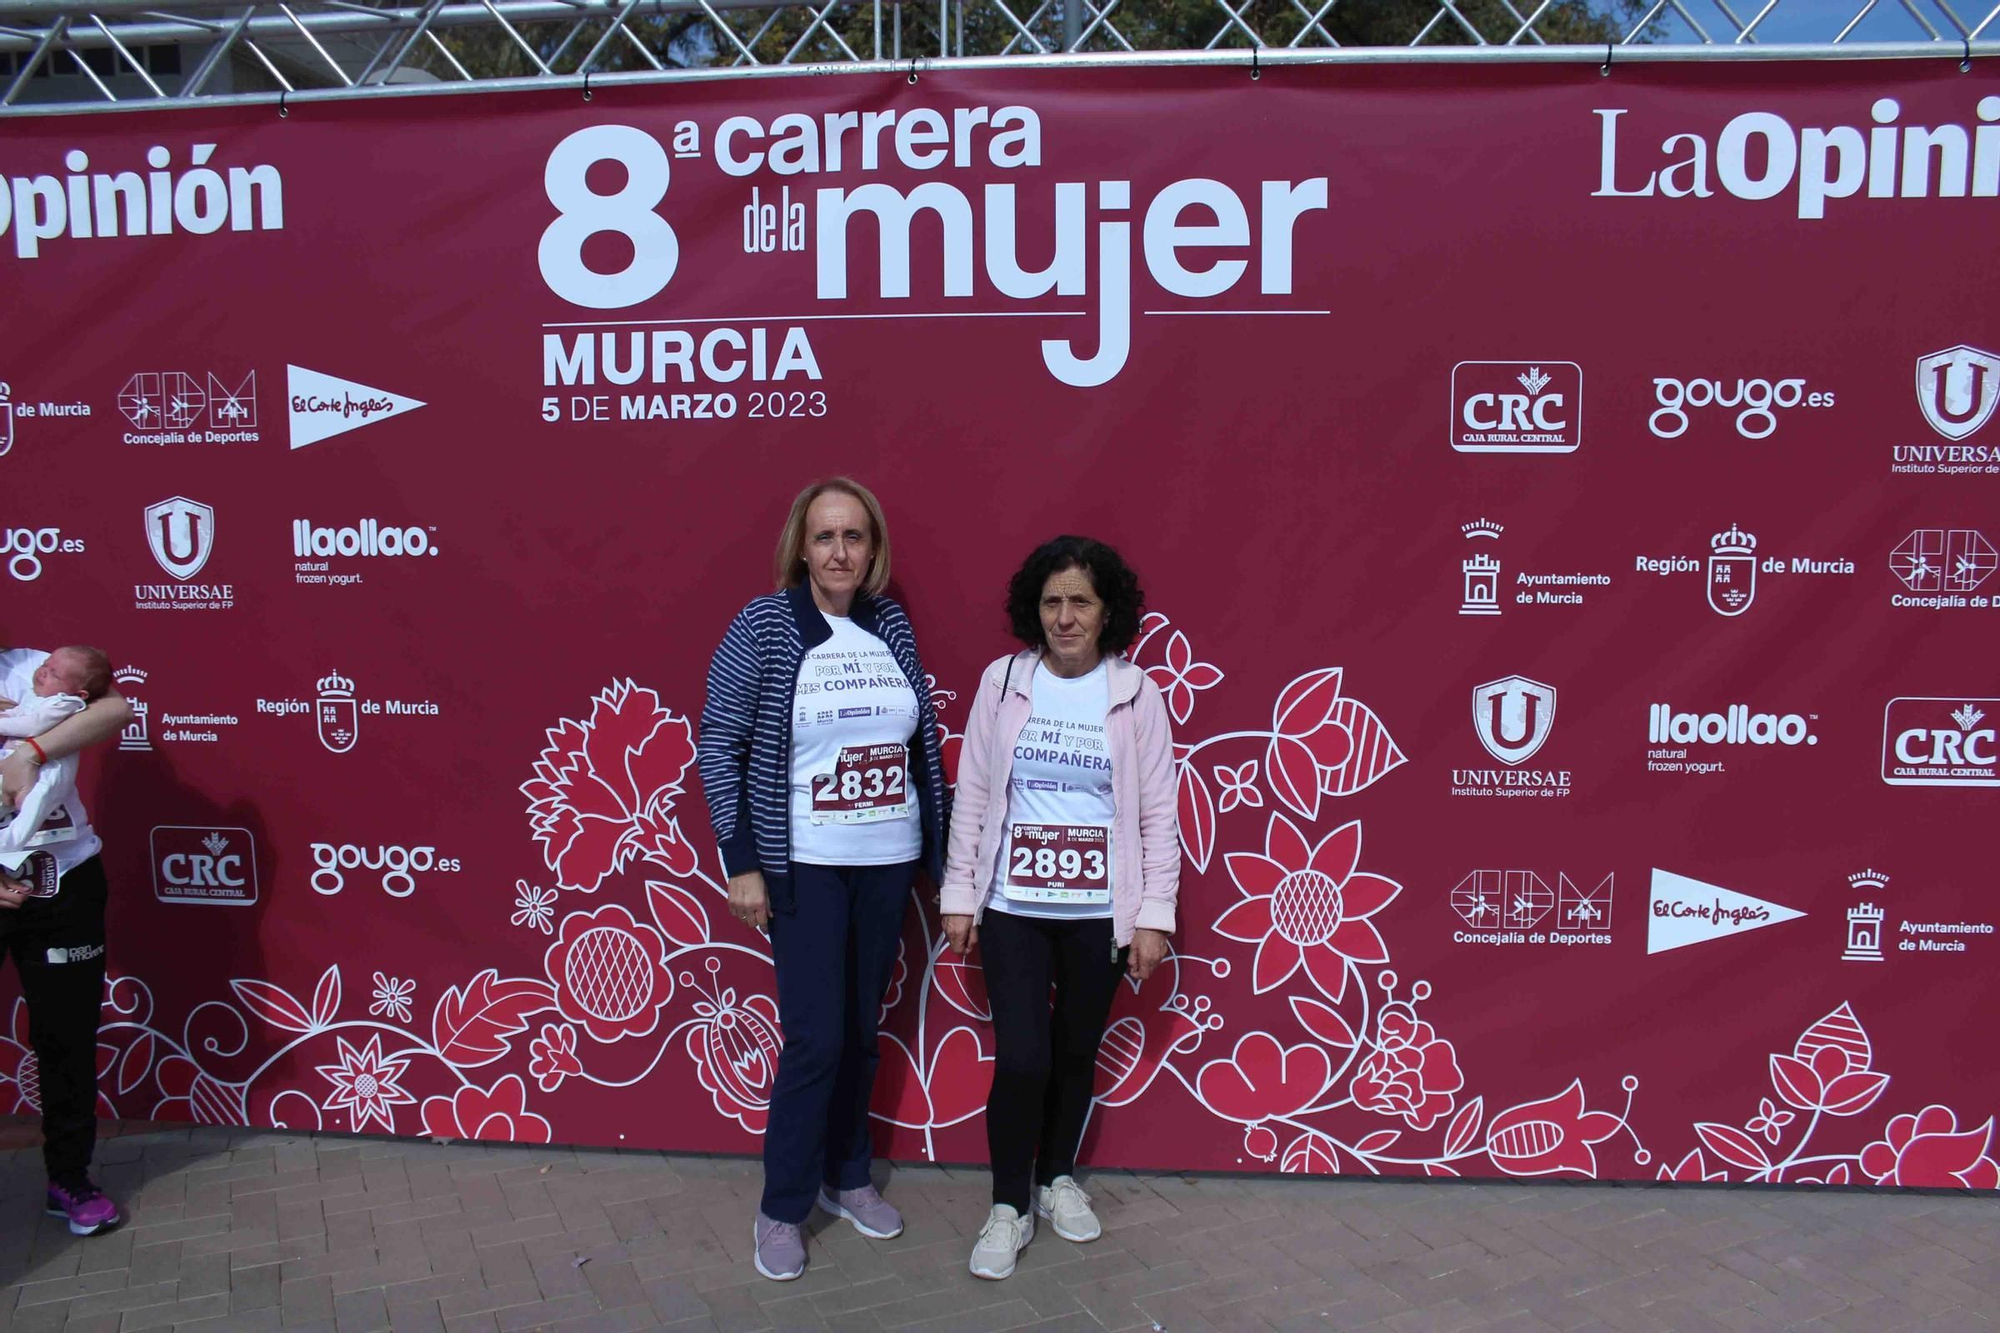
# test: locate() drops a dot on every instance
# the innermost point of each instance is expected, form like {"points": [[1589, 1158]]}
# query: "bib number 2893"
{"points": [[868, 782], [1059, 863]]}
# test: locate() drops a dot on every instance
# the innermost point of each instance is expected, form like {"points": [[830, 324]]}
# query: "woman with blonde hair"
{"points": [[820, 765]]}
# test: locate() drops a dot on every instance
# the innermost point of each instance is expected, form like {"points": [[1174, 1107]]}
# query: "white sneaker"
{"points": [[1004, 1236], [1068, 1209]]}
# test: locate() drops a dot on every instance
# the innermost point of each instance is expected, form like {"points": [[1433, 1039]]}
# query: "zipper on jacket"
{"points": [[785, 751]]}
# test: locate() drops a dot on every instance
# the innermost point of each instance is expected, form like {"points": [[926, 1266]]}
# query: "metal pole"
{"points": [[49, 39]]}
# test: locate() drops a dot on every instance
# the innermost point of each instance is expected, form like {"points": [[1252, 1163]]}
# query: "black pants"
{"points": [[1044, 1060], [833, 954], [58, 947]]}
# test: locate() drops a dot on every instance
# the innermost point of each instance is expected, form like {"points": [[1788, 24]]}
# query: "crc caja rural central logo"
{"points": [[204, 865], [1516, 407]]}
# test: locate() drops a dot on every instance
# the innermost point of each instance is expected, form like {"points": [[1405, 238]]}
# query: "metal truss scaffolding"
{"points": [[69, 55]]}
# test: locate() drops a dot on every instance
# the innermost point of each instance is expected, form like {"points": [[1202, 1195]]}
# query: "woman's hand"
{"points": [[18, 772], [1149, 949], [748, 900], [961, 932], [12, 892]]}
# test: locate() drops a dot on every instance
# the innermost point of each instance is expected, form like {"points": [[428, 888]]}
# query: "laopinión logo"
{"points": [[1941, 741], [123, 203], [169, 407], [1957, 390], [1755, 402], [200, 864], [397, 867], [1516, 407]]}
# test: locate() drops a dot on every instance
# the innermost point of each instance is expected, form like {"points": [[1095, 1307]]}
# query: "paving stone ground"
{"points": [[250, 1230]]}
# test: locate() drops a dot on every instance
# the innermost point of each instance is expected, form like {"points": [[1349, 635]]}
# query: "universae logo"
{"points": [[1513, 716], [181, 535]]}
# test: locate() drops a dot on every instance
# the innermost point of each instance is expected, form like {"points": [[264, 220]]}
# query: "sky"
{"points": [[1822, 20]]}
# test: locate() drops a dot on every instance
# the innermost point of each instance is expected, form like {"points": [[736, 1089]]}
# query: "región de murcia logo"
{"points": [[1732, 566], [337, 711]]}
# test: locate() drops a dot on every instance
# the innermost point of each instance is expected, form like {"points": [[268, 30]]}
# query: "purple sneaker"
{"points": [[85, 1208], [871, 1214], [780, 1249]]}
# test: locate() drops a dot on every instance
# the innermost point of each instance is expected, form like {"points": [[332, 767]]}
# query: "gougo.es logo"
{"points": [[397, 866], [25, 547], [1756, 403]]}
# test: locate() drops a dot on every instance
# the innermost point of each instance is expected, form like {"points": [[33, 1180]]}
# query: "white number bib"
{"points": [[868, 783], [1058, 863]]}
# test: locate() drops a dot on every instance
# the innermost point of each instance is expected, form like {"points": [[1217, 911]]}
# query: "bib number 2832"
{"points": [[1059, 863], [868, 782]]}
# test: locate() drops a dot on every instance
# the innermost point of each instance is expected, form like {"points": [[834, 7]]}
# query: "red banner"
{"points": [[1567, 505]]}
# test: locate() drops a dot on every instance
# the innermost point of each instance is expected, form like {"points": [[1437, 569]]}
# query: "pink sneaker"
{"points": [[871, 1214], [85, 1207]]}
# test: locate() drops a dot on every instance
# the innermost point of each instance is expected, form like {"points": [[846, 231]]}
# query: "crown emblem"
{"points": [[1534, 381], [1966, 716], [1871, 880], [336, 686], [129, 675], [1733, 542], [215, 842], [1484, 527]]}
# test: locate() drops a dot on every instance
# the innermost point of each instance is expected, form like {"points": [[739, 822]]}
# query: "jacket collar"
{"points": [[1123, 683], [811, 621]]}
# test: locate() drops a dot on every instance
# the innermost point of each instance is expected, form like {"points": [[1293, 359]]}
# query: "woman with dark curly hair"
{"points": [[1065, 827]]}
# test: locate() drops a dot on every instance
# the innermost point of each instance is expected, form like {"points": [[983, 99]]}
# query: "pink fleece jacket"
{"points": [[1146, 869]]}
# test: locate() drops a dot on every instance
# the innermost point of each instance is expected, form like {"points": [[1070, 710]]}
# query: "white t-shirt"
{"points": [[1055, 860], [853, 714], [51, 818]]}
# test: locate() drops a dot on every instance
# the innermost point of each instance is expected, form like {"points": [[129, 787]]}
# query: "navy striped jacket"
{"points": [[746, 731]]}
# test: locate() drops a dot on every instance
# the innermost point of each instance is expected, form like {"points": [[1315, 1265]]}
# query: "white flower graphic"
{"points": [[392, 997], [535, 907]]}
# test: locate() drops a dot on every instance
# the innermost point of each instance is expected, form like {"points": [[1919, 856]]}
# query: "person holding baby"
{"points": [[52, 899]]}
